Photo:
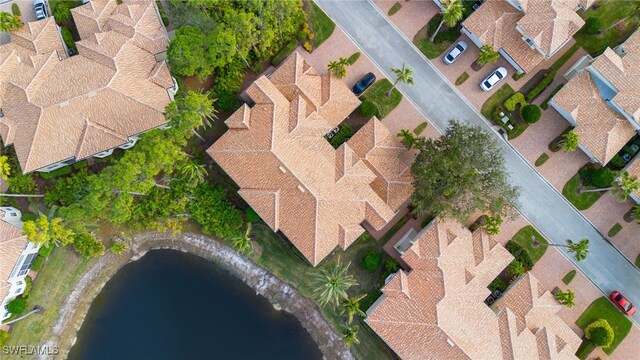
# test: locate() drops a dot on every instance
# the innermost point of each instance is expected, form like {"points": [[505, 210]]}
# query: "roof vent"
{"points": [[450, 342], [63, 104], [92, 94], [284, 171], [301, 188]]}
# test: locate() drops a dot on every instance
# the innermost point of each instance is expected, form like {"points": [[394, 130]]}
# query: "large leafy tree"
{"points": [[46, 232], [452, 12], [460, 173], [9, 22], [600, 333], [332, 283]]}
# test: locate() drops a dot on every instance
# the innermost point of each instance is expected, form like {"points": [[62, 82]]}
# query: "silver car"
{"points": [[495, 77], [455, 52], [40, 8]]}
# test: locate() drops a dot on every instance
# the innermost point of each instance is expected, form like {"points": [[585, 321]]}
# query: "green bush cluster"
{"points": [[67, 37], [520, 254], [372, 261], [539, 88], [15, 9], [592, 25], [214, 212], [353, 58], [284, 52], [545, 103], [531, 113], [118, 247], [45, 251], [600, 333], [17, 306], [55, 173], [343, 135], [517, 98], [252, 216], [600, 178], [497, 284], [22, 183], [369, 299], [617, 162], [88, 246], [38, 263], [27, 288], [163, 14], [68, 190]]}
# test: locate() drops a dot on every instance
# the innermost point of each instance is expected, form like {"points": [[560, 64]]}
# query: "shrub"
{"points": [[15, 9], [600, 178], [307, 46], [567, 278], [531, 113], [226, 101], [369, 299], [22, 184], [368, 109], [343, 135], [118, 247], [87, 245], [391, 266], [545, 103], [27, 289], [213, 211], [67, 37], [163, 14], [353, 58], [520, 254], [517, 98], [600, 333], [420, 128], [17, 306], [497, 284], [38, 263], [592, 25], [539, 87], [45, 251], [252, 215], [617, 162], [372, 261], [55, 173], [4, 336], [516, 268]]}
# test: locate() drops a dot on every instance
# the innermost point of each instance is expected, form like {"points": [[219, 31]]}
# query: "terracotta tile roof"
{"points": [[550, 23], [601, 130], [437, 310], [290, 175], [624, 74], [77, 107], [12, 244], [494, 23]]}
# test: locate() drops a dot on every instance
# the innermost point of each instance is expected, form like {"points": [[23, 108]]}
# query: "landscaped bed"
{"points": [[524, 238], [442, 41], [619, 19], [377, 95], [505, 108], [602, 308], [321, 24], [581, 201]]}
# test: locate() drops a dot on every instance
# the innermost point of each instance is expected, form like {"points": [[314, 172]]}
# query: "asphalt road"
{"points": [[432, 94]]}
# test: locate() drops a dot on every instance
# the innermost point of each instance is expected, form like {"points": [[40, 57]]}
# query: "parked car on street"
{"points": [[40, 8], [364, 84], [455, 52], [622, 303], [495, 77]]}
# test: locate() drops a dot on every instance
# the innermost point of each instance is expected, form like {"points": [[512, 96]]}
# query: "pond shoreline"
{"points": [[281, 295]]}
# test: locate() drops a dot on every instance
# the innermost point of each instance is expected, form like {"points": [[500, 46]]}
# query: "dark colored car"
{"points": [[622, 303], [364, 84]]}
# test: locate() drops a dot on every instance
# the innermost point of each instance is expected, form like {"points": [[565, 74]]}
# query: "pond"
{"points": [[172, 305]]}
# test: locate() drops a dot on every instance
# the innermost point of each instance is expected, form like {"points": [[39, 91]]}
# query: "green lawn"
{"points": [[462, 78], [394, 9], [569, 277], [609, 13], [429, 49], [602, 308], [377, 94], [580, 201], [615, 229], [497, 99], [50, 289], [542, 159], [321, 24], [277, 256], [523, 238]]}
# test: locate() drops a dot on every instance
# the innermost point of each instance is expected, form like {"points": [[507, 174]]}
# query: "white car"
{"points": [[495, 77], [455, 53], [40, 8]]}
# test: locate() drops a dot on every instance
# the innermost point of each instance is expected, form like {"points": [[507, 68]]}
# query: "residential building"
{"points": [[16, 257], [437, 310], [525, 32], [57, 109], [602, 100], [317, 196]]}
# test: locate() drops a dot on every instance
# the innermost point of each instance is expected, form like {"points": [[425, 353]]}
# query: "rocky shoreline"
{"points": [[282, 295]]}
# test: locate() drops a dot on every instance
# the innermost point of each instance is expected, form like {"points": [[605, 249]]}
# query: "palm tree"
{"points": [[350, 335], [407, 138], [403, 74], [579, 249], [624, 185], [566, 298], [569, 141], [244, 244], [339, 68], [487, 55], [635, 213], [452, 12], [492, 224], [351, 307], [332, 283], [193, 173], [9, 22]]}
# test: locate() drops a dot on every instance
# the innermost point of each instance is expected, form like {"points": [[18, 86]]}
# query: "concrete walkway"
{"points": [[433, 95]]}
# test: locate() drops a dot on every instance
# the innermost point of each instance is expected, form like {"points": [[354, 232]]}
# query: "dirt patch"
{"points": [[194, 83], [282, 295]]}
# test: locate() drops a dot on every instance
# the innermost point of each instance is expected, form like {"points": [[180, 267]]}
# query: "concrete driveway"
{"points": [[434, 96]]}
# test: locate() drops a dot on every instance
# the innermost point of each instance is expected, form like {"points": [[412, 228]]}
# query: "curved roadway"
{"points": [[437, 99]]}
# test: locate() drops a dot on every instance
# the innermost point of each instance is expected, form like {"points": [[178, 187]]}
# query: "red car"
{"points": [[622, 303]]}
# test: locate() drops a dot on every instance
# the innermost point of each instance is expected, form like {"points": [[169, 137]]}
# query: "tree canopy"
{"points": [[460, 173]]}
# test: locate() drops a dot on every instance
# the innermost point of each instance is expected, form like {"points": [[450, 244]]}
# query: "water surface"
{"points": [[172, 305]]}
